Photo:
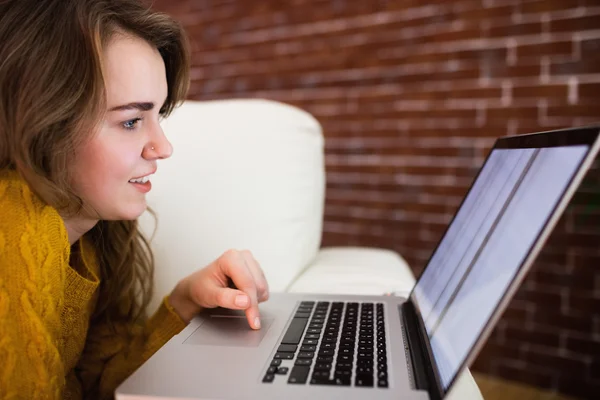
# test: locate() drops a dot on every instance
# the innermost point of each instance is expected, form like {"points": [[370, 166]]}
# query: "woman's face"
{"points": [[112, 169]]}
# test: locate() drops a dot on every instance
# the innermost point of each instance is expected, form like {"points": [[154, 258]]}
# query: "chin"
{"points": [[132, 213]]}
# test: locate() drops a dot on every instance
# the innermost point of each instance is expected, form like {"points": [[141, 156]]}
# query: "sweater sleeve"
{"points": [[30, 301], [113, 353]]}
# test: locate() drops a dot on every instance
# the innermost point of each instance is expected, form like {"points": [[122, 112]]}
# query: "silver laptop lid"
{"points": [[511, 208]]}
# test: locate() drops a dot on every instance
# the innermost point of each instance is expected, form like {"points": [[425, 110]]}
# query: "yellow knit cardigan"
{"points": [[48, 349]]}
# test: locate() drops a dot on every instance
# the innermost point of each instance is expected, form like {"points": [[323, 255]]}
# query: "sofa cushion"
{"points": [[244, 174]]}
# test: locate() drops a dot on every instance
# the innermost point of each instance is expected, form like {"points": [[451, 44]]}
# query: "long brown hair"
{"points": [[52, 97]]}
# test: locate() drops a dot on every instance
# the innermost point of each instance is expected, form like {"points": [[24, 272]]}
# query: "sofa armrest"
{"points": [[355, 270]]}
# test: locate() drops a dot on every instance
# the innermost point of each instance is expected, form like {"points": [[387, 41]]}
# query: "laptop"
{"points": [[385, 347]]}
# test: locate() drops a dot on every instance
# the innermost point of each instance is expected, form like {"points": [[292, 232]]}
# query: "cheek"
{"points": [[102, 168]]}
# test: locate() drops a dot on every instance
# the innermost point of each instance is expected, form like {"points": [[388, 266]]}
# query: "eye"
{"points": [[131, 124]]}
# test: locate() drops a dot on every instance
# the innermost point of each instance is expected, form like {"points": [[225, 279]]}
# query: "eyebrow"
{"points": [[143, 106]]}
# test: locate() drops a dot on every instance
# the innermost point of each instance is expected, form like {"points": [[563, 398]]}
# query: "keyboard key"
{"points": [[310, 342], [276, 363], [268, 378], [382, 383], [364, 363], [299, 374], [308, 348], [343, 373], [307, 304], [312, 336], [295, 331], [284, 356], [343, 366], [364, 370], [271, 370], [363, 380], [302, 315], [303, 361], [320, 374], [282, 370], [287, 348], [306, 354], [325, 358], [342, 381], [321, 381], [323, 367]]}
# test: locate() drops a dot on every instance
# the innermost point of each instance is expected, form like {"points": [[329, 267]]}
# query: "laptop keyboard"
{"points": [[339, 344]]}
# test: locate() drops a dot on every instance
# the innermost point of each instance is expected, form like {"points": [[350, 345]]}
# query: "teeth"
{"points": [[140, 180]]}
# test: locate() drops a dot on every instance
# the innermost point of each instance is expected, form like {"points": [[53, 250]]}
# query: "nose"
{"points": [[158, 147]]}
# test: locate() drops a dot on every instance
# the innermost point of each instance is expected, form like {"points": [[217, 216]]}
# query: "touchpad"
{"points": [[225, 330]]}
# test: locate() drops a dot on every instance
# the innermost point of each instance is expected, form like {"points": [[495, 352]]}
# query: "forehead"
{"points": [[134, 71]]}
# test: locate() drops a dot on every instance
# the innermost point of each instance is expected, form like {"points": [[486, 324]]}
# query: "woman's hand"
{"points": [[210, 287]]}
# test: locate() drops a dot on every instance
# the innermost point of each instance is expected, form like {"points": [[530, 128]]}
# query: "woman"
{"points": [[83, 85]]}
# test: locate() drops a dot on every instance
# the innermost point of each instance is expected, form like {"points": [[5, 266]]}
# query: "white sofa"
{"points": [[249, 174]]}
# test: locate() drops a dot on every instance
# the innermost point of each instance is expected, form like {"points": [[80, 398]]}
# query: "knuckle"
{"points": [[231, 253], [262, 286], [246, 253]]}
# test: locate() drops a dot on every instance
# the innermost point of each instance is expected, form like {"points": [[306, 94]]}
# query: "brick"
{"points": [[541, 91], [492, 352], [594, 371], [515, 333], [583, 301], [487, 13], [590, 66], [512, 29], [532, 374], [589, 261], [503, 113], [583, 345], [590, 47], [576, 24], [552, 318], [585, 200], [520, 70], [563, 48], [559, 280], [547, 356], [543, 298], [588, 220], [580, 110], [540, 6], [517, 312]]}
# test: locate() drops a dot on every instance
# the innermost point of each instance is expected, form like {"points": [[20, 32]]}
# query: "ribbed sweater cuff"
{"points": [[164, 324]]}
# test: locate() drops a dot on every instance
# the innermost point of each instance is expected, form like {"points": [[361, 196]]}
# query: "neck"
{"points": [[77, 227]]}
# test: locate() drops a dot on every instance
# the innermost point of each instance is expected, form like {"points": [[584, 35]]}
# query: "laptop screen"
{"points": [[499, 221]]}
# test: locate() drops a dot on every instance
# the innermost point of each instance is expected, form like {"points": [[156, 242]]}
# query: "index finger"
{"points": [[235, 267]]}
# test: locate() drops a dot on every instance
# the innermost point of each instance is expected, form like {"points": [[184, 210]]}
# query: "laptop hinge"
{"points": [[422, 366]]}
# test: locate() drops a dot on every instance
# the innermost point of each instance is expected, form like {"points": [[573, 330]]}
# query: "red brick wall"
{"points": [[410, 95]]}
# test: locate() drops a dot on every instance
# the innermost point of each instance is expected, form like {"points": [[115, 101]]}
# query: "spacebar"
{"points": [[295, 331]]}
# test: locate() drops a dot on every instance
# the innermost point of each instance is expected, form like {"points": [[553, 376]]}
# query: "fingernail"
{"points": [[241, 300], [257, 323]]}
